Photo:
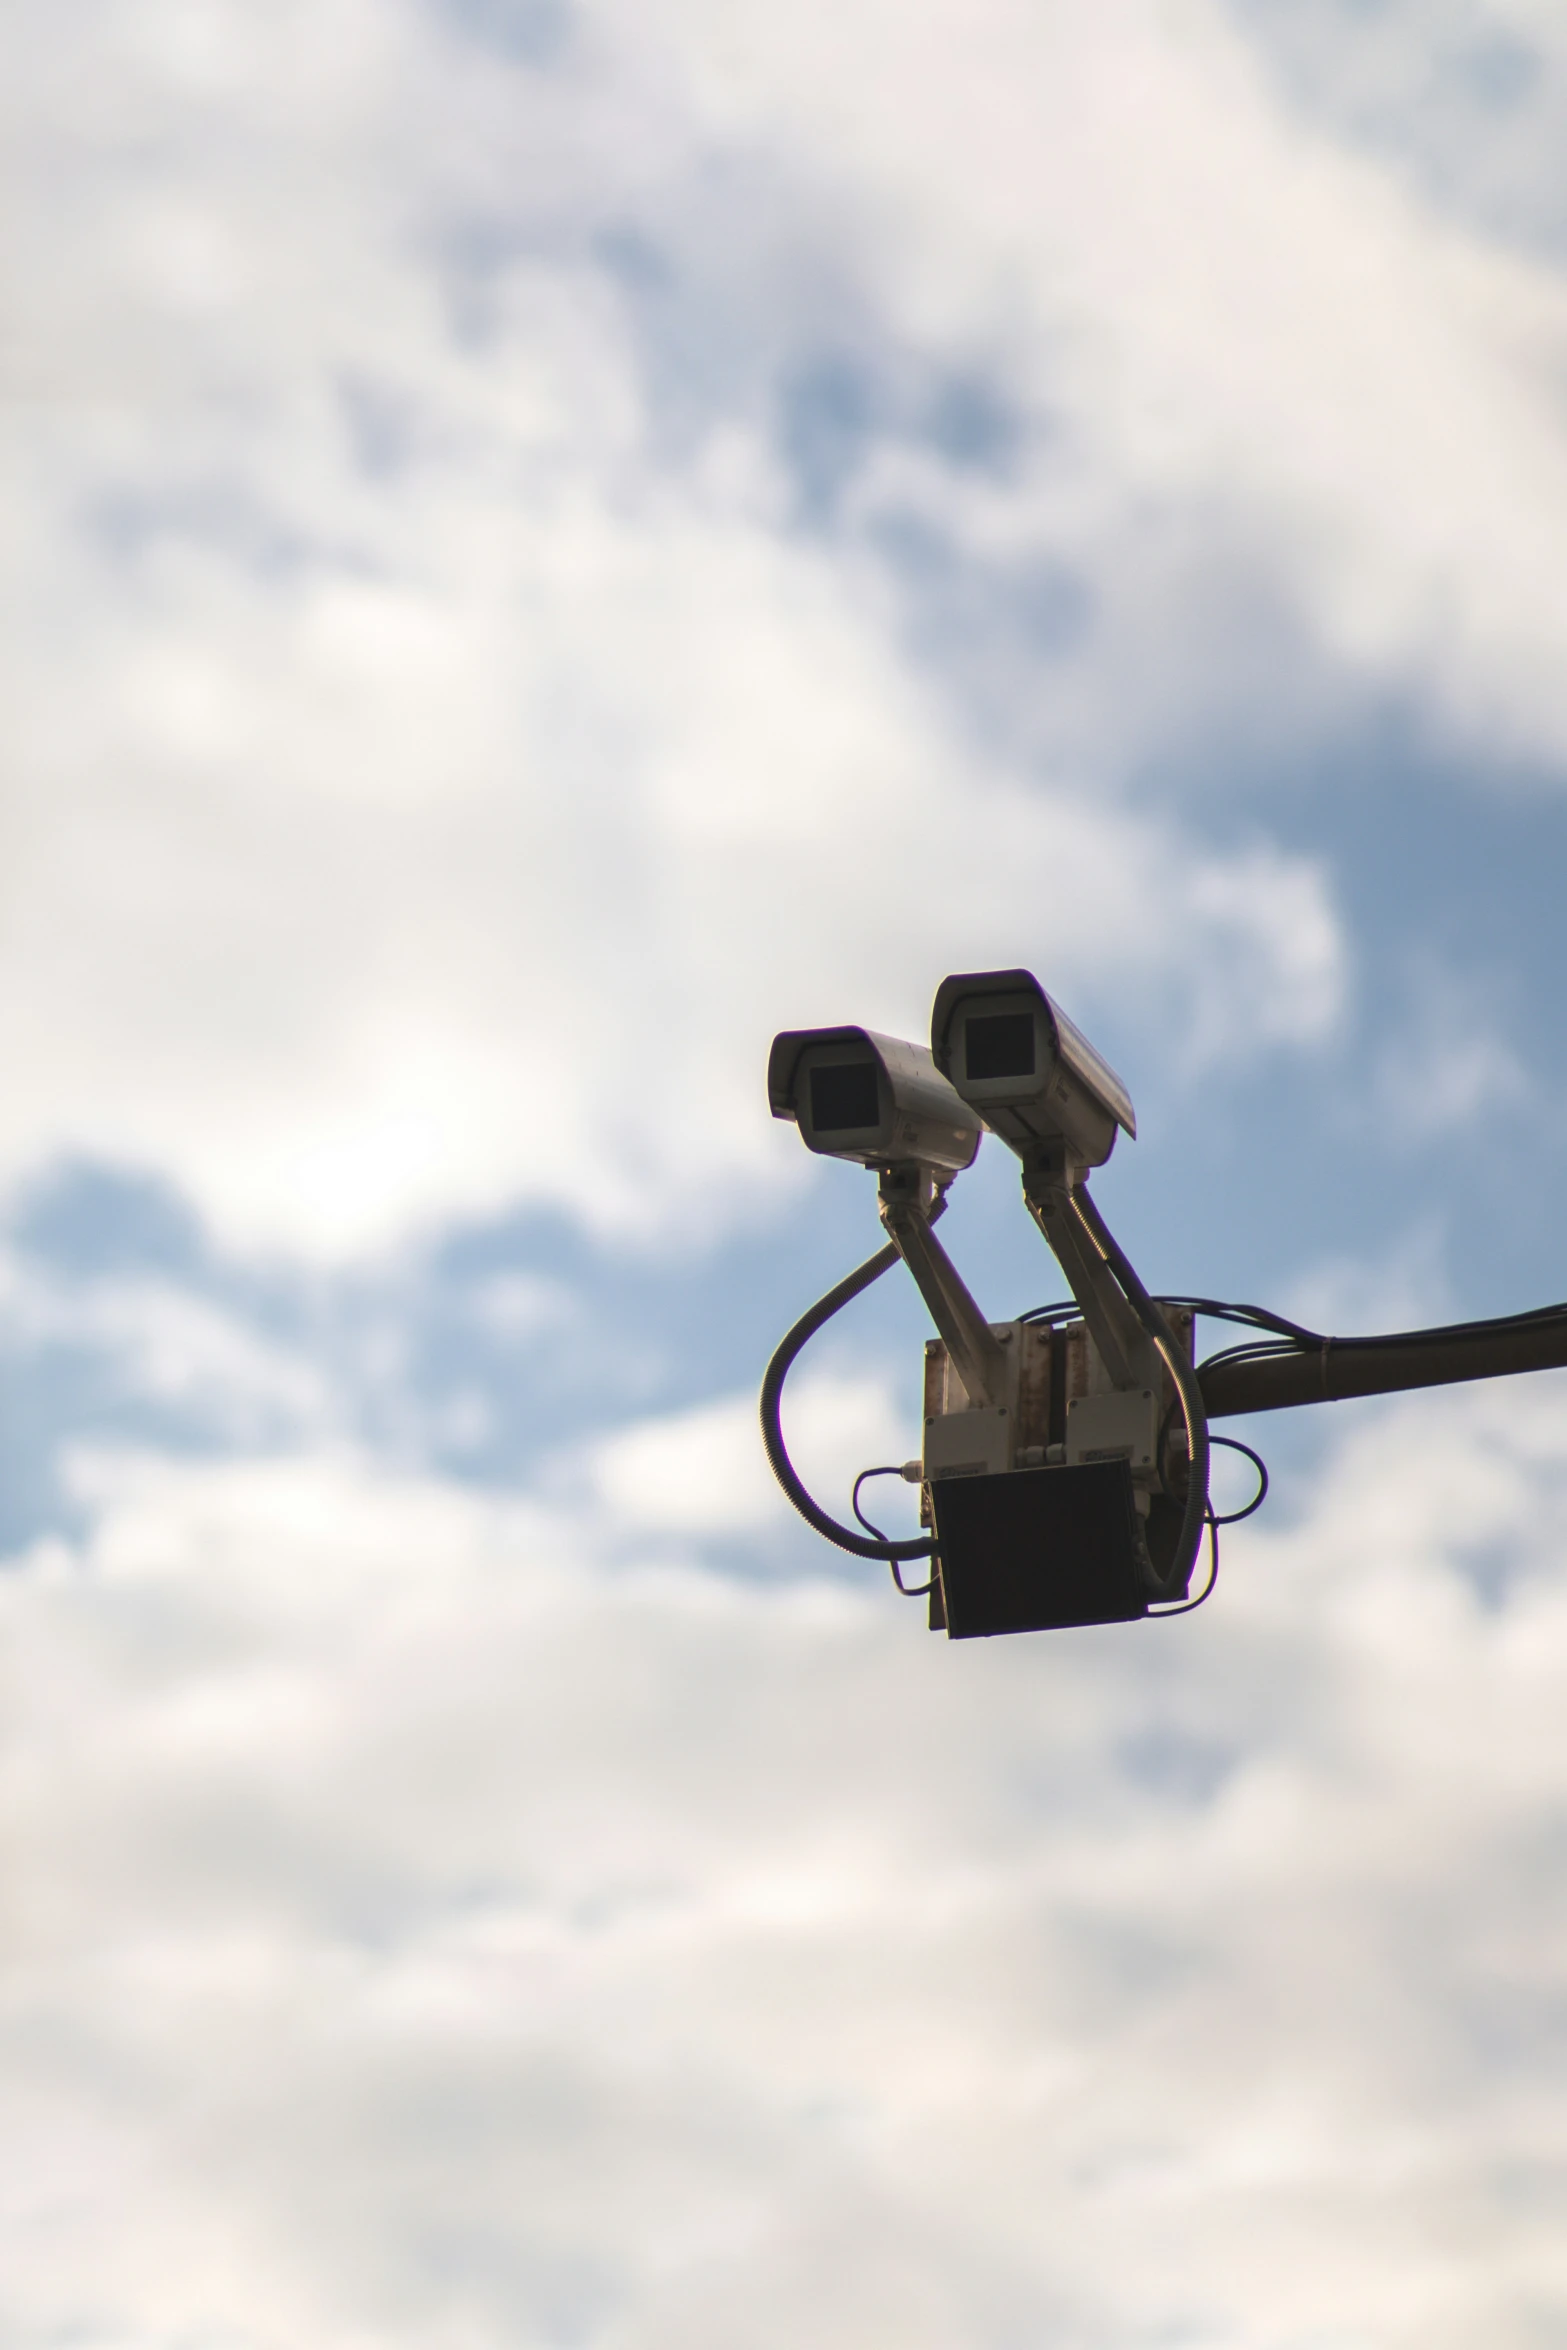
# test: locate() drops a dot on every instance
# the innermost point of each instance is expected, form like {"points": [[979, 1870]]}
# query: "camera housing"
{"points": [[874, 1100], [1012, 1054]]}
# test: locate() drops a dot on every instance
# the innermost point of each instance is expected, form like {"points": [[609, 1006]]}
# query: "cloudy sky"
{"points": [[545, 540]]}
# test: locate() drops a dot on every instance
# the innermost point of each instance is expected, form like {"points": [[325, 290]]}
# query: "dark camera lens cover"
{"points": [[999, 1044], [845, 1097]]}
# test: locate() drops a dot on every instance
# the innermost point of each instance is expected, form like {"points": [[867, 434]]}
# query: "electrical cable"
{"points": [[1212, 1308], [1278, 1338], [1260, 1317], [1294, 1342], [1195, 1510], [1489, 1324], [894, 1469], [1216, 1519], [1186, 1605], [1234, 1444], [772, 1424]]}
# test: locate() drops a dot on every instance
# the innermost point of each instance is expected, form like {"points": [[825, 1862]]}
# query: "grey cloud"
{"points": [[1467, 101], [473, 1939], [533, 32]]}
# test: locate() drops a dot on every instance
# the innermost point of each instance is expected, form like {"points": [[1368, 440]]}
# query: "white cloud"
{"points": [[1467, 97], [468, 783], [417, 1931], [480, 758], [166, 1345], [1231, 319], [703, 1471]]}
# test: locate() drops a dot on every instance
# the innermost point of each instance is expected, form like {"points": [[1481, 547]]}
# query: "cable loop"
{"points": [[772, 1416], [893, 1469], [1234, 1444]]}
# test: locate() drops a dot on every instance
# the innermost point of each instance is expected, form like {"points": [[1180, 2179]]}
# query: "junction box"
{"points": [[1059, 1506]]}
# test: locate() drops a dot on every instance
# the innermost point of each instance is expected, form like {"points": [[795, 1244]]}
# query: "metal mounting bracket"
{"points": [[909, 1204], [1128, 1353]]}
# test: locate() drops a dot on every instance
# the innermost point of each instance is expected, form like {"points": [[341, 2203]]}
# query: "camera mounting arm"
{"points": [[909, 1203], [1050, 1191]]}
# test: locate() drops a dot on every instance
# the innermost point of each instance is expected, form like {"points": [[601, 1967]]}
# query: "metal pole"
{"points": [[1344, 1367]]}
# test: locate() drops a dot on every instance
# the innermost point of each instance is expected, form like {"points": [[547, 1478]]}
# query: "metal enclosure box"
{"points": [[1060, 1406], [968, 1444], [1045, 1510], [1113, 1427]]}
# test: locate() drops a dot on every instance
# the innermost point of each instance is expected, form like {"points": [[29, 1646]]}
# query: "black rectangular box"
{"points": [[1034, 1550]]}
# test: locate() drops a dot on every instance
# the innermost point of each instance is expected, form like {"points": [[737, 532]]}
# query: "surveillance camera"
{"points": [[1034, 1078], [871, 1099]]}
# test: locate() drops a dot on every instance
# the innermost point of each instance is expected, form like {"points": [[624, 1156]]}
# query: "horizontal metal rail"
{"points": [[1343, 1367]]}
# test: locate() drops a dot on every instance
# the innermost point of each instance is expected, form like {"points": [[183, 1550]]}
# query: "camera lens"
{"points": [[845, 1097], [999, 1044]]}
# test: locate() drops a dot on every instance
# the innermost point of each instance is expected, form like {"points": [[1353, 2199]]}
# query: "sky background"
{"points": [[543, 543]]}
